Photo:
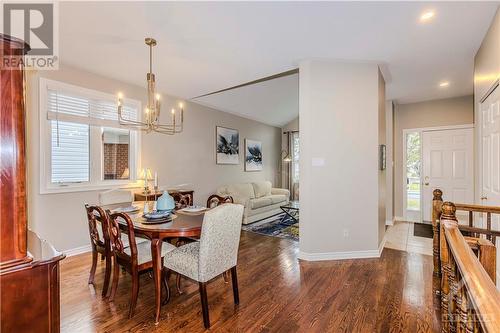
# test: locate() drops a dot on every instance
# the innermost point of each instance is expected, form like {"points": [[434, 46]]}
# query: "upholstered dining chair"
{"points": [[115, 196], [100, 242], [135, 259], [118, 196], [215, 253], [213, 201]]}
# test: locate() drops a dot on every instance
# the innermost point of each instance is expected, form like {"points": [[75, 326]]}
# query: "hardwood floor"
{"points": [[278, 293]]}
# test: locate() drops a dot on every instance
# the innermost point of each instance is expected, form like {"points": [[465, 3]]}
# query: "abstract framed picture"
{"points": [[227, 145], [253, 155]]}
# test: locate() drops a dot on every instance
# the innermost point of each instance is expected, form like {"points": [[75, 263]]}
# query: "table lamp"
{"points": [[146, 176]]}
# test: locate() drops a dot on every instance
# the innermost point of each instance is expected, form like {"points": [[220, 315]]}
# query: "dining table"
{"points": [[181, 224]]}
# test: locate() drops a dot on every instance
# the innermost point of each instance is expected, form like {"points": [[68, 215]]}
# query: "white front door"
{"points": [[490, 153], [447, 165]]}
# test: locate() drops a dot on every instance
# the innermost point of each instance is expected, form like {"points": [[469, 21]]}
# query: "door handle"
{"points": [[426, 184], [484, 198], [426, 181]]}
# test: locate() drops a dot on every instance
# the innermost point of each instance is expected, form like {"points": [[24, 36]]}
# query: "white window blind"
{"points": [[70, 107], [70, 152]]}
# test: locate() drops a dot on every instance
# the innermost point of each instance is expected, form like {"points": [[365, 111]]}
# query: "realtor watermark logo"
{"points": [[37, 24]]}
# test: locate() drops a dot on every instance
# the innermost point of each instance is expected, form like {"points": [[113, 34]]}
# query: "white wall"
{"points": [[187, 158], [339, 111]]}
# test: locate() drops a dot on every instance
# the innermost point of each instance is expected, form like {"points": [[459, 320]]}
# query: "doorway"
{"points": [[440, 157]]}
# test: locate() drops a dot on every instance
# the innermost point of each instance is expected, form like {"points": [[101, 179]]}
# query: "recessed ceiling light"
{"points": [[444, 84], [425, 17]]}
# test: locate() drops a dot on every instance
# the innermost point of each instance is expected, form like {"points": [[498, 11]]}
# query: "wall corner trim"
{"points": [[78, 250], [340, 255]]}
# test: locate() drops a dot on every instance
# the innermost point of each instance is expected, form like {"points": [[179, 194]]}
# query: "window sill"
{"points": [[88, 188]]}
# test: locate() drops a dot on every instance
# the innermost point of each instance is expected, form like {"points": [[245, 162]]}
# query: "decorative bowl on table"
{"points": [[165, 202]]}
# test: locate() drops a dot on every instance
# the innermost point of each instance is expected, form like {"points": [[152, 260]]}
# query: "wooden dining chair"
{"points": [[135, 259], [98, 222], [215, 200], [215, 253]]}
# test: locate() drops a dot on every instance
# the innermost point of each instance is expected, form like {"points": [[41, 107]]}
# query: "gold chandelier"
{"points": [[152, 111]]}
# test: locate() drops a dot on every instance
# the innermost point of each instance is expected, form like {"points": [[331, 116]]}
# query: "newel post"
{"points": [[437, 203], [447, 267]]}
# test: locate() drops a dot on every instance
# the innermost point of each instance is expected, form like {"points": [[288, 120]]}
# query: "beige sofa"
{"points": [[260, 199]]}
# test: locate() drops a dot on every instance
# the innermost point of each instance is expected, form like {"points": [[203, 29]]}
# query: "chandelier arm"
{"points": [[168, 127]]}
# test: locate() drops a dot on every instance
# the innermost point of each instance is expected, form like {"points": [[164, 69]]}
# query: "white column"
{"points": [[339, 137]]}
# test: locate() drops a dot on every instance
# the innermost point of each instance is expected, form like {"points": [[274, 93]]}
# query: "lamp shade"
{"points": [[145, 174], [287, 157]]}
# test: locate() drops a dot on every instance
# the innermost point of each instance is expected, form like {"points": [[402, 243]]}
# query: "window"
{"points": [[82, 145], [115, 148], [413, 171]]}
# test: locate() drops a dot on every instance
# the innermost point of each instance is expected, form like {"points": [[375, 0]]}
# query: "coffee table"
{"points": [[291, 209]]}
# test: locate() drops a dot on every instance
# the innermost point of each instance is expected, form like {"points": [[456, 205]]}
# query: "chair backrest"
{"points": [[115, 236], [216, 200], [219, 241], [99, 235], [115, 196]]}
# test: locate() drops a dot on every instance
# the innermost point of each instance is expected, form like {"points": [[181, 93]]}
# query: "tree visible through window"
{"points": [[413, 171]]}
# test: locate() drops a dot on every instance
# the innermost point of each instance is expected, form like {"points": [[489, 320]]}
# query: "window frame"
{"points": [[96, 155]]}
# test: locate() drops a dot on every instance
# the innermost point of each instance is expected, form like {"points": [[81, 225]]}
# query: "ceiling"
{"points": [[205, 47], [274, 102]]}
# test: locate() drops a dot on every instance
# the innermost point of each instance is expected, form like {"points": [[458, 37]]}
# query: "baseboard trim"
{"points": [[339, 255], [389, 222], [382, 245], [78, 250], [399, 218]]}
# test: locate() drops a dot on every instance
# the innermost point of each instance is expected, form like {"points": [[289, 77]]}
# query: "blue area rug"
{"points": [[277, 226]]}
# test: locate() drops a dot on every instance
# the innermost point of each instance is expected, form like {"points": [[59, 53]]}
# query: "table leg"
{"points": [[156, 254]]}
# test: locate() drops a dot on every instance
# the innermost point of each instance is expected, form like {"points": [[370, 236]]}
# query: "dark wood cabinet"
{"points": [[29, 267]]}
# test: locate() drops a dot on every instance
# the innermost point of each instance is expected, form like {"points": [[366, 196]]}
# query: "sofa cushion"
{"points": [[276, 198], [260, 202], [243, 190], [262, 189]]}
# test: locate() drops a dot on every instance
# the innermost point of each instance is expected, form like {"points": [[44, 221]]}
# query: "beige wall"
{"points": [[339, 112], [382, 189], [389, 171], [187, 158], [442, 112], [486, 74], [487, 60]]}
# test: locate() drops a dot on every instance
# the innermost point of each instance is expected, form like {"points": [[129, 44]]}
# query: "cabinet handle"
{"points": [[484, 198]]}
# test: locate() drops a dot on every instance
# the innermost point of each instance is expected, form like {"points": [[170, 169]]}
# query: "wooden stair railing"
{"points": [[481, 240], [470, 301]]}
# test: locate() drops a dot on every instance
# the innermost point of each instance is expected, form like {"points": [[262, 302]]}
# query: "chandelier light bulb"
{"points": [[157, 97]]}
